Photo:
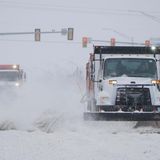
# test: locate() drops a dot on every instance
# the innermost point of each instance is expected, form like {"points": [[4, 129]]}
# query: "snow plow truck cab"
{"points": [[11, 75], [123, 83]]}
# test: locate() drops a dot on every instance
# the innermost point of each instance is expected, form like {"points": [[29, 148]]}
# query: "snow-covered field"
{"points": [[43, 119], [80, 141]]}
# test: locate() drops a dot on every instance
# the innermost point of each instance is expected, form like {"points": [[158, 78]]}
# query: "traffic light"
{"points": [[147, 43], [37, 34], [84, 42], [113, 41], [70, 33]]}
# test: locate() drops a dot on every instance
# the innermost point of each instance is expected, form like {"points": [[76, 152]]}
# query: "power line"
{"points": [[42, 41], [51, 6], [52, 9], [119, 33], [61, 8], [66, 7], [154, 18]]}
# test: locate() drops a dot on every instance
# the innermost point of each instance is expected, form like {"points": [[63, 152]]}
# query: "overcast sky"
{"points": [[138, 19]]}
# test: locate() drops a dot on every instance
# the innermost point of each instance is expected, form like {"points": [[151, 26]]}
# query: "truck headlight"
{"points": [[17, 84], [113, 82], [155, 81]]}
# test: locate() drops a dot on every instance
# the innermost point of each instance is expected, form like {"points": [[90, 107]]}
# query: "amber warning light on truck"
{"points": [[9, 66]]}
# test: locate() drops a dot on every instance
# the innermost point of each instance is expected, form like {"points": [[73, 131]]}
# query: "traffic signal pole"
{"points": [[112, 41], [38, 32]]}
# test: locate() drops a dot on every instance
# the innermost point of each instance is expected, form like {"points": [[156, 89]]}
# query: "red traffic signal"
{"points": [[147, 43], [84, 42], [113, 41]]}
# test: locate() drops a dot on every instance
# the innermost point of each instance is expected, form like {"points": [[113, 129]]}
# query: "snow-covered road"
{"points": [[81, 140], [60, 133]]}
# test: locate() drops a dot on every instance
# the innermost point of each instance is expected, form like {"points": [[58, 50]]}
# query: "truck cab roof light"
{"points": [[153, 48], [14, 66], [9, 66]]}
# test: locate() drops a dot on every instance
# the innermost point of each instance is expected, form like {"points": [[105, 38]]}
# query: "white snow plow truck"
{"points": [[123, 83], [11, 75]]}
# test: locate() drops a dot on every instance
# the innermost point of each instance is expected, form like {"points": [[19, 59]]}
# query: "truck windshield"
{"points": [[130, 67], [9, 76]]}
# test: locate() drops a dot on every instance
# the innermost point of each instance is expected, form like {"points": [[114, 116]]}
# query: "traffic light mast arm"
{"points": [[37, 33], [22, 33], [112, 41]]}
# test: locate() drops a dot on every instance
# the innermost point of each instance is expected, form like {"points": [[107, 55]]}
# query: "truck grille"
{"points": [[133, 98]]}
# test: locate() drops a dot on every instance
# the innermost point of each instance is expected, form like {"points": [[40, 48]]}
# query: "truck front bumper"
{"points": [[122, 116]]}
